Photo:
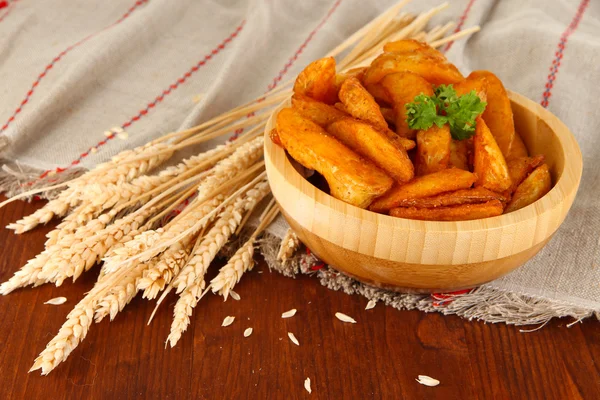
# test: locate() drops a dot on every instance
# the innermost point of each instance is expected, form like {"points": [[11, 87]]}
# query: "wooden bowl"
{"points": [[429, 256]]}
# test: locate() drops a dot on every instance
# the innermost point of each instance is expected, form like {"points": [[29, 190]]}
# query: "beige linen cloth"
{"points": [[70, 71]]}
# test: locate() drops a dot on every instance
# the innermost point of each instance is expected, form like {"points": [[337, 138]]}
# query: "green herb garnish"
{"points": [[446, 107]]}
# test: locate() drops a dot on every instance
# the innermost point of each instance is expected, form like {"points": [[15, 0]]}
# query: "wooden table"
{"points": [[379, 357]]}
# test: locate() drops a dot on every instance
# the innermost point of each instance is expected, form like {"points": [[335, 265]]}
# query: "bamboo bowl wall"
{"points": [[429, 256]]}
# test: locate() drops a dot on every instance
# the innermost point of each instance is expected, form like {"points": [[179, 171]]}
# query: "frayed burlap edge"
{"points": [[483, 303], [16, 178]]}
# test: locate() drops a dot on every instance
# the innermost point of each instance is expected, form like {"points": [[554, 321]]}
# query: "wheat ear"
{"points": [[289, 245]]}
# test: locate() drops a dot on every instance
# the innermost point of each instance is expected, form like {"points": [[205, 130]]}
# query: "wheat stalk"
{"points": [[289, 245]]}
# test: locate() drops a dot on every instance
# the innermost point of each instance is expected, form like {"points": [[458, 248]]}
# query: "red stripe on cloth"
{"points": [[292, 60], [461, 22], [151, 105], [60, 56], [562, 44], [7, 5]]}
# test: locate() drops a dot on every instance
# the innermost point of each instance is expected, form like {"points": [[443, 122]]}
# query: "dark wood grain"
{"points": [[379, 357]]}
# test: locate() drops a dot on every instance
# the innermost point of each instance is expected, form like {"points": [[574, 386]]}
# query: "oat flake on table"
{"points": [[234, 295], [307, 385], [228, 321], [293, 338], [248, 332], [57, 301], [371, 304], [289, 314], [427, 380], [344, 318]]}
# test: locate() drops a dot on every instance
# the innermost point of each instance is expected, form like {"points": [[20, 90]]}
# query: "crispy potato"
{"points": [[518, 148], [340, 78], [446, 180], [374, 145], [360, 104], [402, 87], [275, 137], [379, 93], [389, 115], [317, 81], [533, 188], [320, 113], [489, 163], [519, 168], [459, 153], [498, 114], [412, 45], [463, 212], [351, 178], [458, 197], [433, 150], [479, 85], [432, 69]]}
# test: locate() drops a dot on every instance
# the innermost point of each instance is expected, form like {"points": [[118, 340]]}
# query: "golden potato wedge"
{"points": [[375, 146], [432, 69], [459, 153], [446, 180], [479, 85], [519, 168], [533, 188], [498, 114], [379, 93], [433, 150], [351, 178], [463, 212], [412, 45], [275, 137], [317, 81], [402, 87], [489, 163], [358, 73], [360, 104], [320, 113], [518, 148], [458, 197], [389, 115]]}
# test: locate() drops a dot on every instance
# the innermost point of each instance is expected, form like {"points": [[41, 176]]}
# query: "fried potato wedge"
{"points": [[379, 93], [498, 114], [458, 197], [533, 188], [375, 146], [351, 178], [479, 85], [341, 77], [463, 212], [433, 150], [275, 137], [519, 168], [402, 87], [459, 153], [389, 115], [446, 180], [320, 113], [432, 69], [518, 148], [489, 163], [412, 45], [361, 104], [317, 81]]}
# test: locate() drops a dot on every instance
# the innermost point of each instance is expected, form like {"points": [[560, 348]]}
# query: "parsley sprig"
{"points": [[446, 107]]}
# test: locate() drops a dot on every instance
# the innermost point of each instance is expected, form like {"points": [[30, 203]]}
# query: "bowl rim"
{"points": [[567, 183]]}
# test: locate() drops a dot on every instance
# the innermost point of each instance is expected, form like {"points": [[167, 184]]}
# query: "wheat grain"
{"points": [[120, 295], [182, 312], [289, 245], [232, 272]]}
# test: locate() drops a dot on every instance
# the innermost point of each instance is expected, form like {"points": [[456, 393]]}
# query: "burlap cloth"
{"points": [[69, 71]]}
